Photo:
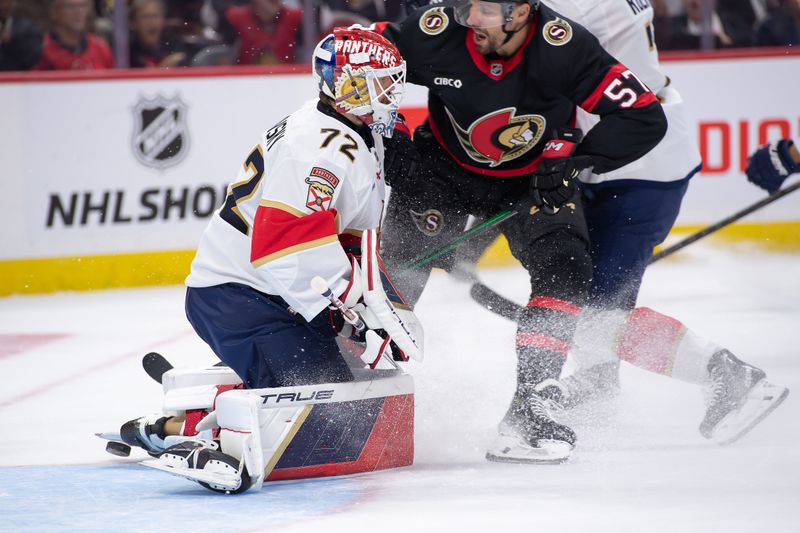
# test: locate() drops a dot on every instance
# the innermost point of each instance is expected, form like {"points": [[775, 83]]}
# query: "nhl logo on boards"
{"points": [[430, 222], [557, 32], [160, 133], [433, 21]]}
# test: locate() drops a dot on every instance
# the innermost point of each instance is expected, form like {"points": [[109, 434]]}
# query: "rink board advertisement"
{"points": [[109, 180]]}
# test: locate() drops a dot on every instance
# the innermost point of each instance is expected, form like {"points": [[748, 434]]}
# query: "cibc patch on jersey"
{"points": [[557, 32], [500, 136], [434, 21]]}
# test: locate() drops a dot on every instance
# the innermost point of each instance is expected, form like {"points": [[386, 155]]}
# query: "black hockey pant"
{"points": [[428, 210]]}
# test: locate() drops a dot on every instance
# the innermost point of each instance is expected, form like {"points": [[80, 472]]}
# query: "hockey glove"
{"points": [[401, 156], [553, 181], [770, 165]]}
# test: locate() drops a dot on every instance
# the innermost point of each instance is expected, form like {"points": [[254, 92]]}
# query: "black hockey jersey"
{"points": [[494, 115]]}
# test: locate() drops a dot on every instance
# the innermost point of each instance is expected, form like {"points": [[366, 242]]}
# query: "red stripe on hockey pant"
{"points": [[193, 417], [555, 304], [389, 445], [537, 340], [275, 230], [649, 340]]}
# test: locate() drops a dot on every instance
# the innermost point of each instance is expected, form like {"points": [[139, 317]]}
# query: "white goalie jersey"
{"points": [[312, 180], [625, 29]]}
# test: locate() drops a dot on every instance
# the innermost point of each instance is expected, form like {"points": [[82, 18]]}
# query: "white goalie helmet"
{"points": [[364, 74]]}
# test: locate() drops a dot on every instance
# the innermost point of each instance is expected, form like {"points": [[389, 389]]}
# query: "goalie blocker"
{"points": [[236, 439]]}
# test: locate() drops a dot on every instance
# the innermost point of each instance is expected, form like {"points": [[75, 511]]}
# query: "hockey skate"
{"points": [[739, 397], [146, 432], [596, 383], [528, 433], [201, 461]]}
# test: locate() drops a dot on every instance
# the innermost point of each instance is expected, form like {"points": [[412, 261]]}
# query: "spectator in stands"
{"points": [[20, 40], [782, 25], [687, 29], [149, 46], [33, 10], [266, 31], [346, 12], [68, 45], [185, 17]]}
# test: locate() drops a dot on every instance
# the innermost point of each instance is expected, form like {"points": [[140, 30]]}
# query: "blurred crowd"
{"points": [[80, 34]]}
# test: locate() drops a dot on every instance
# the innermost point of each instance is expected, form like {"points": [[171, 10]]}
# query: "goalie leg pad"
{"points": [[321, 430]]}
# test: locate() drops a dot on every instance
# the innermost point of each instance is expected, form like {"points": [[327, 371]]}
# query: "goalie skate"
{"points": [[201, 461], [739, 398]]}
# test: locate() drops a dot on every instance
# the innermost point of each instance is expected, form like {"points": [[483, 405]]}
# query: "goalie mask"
{"points": [[364, 74]]}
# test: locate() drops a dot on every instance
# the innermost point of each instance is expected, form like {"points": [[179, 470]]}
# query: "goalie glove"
{"points": [[383, 324], [387, 311]]}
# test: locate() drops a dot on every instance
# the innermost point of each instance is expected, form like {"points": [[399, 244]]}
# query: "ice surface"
{"points": [[640, 464]]}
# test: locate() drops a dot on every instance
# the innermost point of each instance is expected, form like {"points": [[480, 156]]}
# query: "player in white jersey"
{"points": [[297, 233], [313, 182]]}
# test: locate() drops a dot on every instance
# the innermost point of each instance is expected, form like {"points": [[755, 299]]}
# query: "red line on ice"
{"points": [[13, 344], [91, 370]]}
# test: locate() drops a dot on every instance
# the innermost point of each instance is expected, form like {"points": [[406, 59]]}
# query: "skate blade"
{"points": [[760, 401], [225, 481], [512, 449], [109, 435]]}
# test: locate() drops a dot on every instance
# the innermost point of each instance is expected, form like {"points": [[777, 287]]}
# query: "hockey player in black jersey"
{"points": [[503, 77]]}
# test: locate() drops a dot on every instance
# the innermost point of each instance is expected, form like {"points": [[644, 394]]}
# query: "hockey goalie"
{"points": [[289, 291]]}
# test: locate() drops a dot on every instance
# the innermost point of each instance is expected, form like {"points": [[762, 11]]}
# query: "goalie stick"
{"points": [[504, 307]]}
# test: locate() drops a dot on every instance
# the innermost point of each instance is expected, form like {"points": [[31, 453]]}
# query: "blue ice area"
{"points": [[130, 497]]}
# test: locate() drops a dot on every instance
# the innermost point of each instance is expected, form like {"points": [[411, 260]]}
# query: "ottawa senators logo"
{"points": [[557, 32], [429, 222], [433, 21], [500, 136]]}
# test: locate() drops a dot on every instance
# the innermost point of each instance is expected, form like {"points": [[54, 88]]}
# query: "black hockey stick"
{"points": [[508, 309], [724, 222]]}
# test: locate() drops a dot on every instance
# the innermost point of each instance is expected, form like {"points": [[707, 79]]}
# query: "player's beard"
{"points": [[488, 41]]}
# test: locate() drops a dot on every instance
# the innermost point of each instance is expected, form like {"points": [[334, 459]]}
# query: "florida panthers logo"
{"points": [[500, 136]]}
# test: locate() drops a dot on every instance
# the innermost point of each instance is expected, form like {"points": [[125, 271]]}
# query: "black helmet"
{"points": [[491, 13]]}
